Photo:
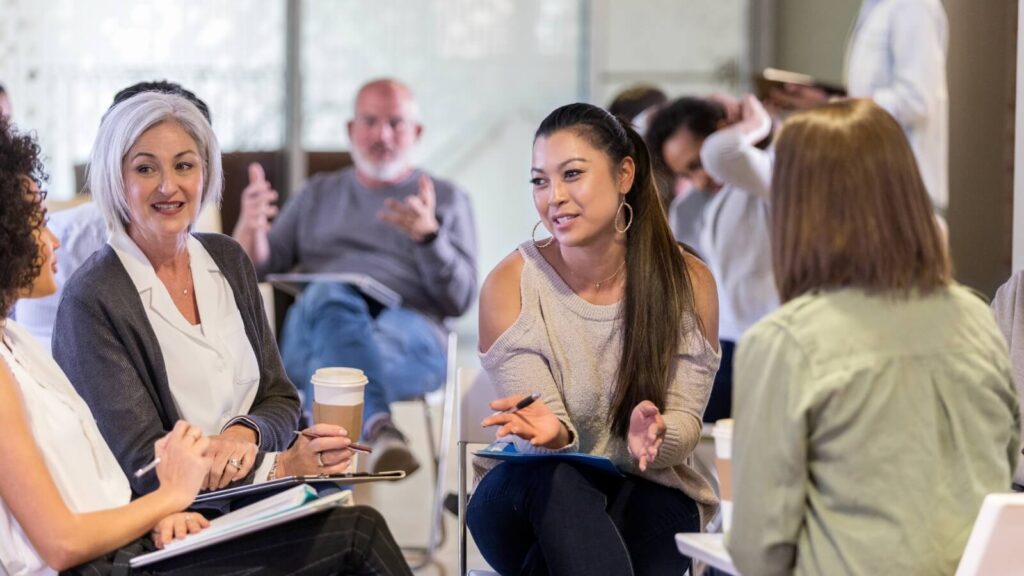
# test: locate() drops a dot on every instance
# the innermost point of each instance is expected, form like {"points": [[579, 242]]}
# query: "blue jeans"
{"points": [[552, 517], [401, 352]]}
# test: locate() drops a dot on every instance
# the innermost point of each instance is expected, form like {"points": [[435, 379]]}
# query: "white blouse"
{"points": [[82, 466], [211, 367]]}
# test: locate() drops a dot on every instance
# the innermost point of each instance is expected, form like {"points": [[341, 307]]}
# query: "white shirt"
{"points": [[81, 231], [897, 57], [211, 369], [736, 231], [84, 470]]}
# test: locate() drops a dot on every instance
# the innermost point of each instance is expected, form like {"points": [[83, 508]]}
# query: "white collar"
{"points": [[154, 294]]}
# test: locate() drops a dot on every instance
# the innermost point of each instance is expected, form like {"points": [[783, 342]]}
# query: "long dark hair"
{"points": [[659, 295]]}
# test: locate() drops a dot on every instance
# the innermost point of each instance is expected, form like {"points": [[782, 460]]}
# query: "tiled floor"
{"points": [[406, 504]]}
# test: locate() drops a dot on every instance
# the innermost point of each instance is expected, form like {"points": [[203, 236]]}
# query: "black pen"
{"points": [[520, 405], [353, 446]]}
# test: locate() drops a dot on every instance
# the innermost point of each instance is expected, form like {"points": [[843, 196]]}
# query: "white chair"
{"points": [[474, 392], [994, 546]]}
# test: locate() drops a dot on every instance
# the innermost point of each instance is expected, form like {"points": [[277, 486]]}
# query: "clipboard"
{"points": [[366, 284], [775, 78], [298, 502], [506, 451], [280, 484]]}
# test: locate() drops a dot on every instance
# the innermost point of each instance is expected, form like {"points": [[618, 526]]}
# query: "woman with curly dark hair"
{"points": [[65, 504], [20, 215]]}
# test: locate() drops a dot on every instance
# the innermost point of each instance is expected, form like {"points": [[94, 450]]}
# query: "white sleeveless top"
{"points": [[80, 463]]}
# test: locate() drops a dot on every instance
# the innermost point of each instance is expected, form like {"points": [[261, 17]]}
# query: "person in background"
{"points": [[896, 56], [875, 409], [65, 503], [637, 104], [685, 121], [614, 325], [714, 142], [82, 231], [1007, 308], [390, 223], [163, 323]]}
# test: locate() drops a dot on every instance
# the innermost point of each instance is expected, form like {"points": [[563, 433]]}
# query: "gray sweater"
{"points": [[568, 350], [1008, 306], [332, 226], [105, 344]]}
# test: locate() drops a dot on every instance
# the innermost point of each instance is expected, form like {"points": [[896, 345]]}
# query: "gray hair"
{"points": [[122, 126]]}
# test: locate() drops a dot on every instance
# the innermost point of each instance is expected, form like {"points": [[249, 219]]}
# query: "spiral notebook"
{"points": [[281, 484], [366, 284], [292, 504]]}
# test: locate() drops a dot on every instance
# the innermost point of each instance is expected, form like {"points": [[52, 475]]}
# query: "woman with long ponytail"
{"points": [[615, 326]]}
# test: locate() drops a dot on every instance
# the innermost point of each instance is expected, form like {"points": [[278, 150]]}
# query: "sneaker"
{"points": [[390, 450], [451, 503]]}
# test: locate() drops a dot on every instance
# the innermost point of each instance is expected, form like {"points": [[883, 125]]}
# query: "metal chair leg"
{"points": [[424, 555]]}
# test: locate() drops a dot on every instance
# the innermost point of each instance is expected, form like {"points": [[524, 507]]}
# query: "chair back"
{"points": [[994, 546]]}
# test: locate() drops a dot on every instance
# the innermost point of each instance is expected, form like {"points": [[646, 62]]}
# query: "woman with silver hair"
{"points": [[65, 504], [165, 324]]}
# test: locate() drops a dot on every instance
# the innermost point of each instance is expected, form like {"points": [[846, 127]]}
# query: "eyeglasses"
{"points": [[396, 123]]}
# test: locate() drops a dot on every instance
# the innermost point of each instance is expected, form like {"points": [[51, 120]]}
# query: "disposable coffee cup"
{"points": [[722, 433], [338, 398]]}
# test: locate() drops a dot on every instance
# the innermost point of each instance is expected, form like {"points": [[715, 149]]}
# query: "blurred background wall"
{"points": [[280, 75]]}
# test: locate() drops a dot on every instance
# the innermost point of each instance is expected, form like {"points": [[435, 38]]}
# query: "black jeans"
{"points": [[551, 517], [352, 540], [720, 402]]}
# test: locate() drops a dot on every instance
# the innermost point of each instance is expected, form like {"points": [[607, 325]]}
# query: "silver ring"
{"points": [[236, 462], [319, 460]]}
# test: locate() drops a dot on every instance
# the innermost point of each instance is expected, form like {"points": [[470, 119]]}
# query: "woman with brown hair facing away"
{"points": [[875, 409]]}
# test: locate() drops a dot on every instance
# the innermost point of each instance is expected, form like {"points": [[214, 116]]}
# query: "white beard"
{"points": [[383, 171]]}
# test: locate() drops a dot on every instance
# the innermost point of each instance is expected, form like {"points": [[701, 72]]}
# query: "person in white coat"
{"points": [[896, 56]]}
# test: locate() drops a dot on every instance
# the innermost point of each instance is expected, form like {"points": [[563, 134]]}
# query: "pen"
{"points": [[520, 405], [353, 446], [145, 469]]}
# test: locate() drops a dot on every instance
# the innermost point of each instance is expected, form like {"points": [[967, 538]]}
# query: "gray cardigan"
{"points": [[105, 344], [1008, 306]]}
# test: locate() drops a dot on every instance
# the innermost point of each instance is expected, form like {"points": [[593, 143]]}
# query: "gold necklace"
{"points": [[597, 286]]}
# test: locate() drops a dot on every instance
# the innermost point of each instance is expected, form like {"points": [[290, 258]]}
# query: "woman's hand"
{"points": [[177, 526], [233, 454], [536, 423], [320, 449], [184, 465], [646, 432]]}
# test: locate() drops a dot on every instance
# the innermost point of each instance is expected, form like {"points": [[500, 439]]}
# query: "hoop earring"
{"points": [[628, 224], [533, 236]]}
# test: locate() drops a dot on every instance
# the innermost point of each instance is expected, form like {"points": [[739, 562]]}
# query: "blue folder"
{"points": [[506, 451]]}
